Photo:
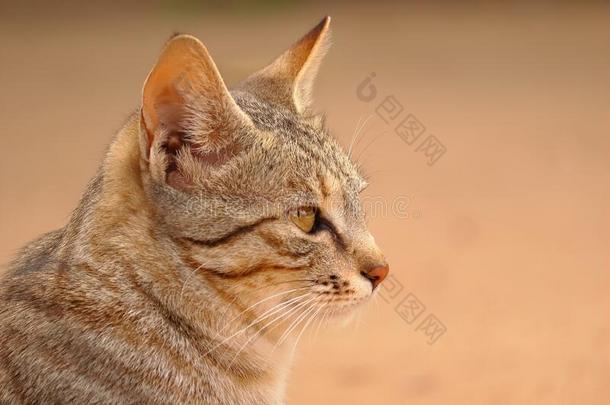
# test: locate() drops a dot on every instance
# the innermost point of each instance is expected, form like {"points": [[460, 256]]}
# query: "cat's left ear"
{"points": [[188, 115], [288, 80]]}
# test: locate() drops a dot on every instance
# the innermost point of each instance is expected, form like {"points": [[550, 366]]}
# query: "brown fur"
{"points": [[181, 242]]}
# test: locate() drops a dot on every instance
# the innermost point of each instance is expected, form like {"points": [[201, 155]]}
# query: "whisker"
{"points": [[235, 297], [285, 315], [260, 302], [375, 300], [379, 136], [189, 278], [357, 133], [256, 334], [312, 317], [259, 319], [295, 323], [321, 320], [292, 323], [351, 144]]}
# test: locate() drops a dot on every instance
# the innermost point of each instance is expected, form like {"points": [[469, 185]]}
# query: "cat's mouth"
{"points": [[342, 306]]}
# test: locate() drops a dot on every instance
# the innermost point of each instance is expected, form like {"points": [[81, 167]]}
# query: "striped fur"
{"points": [[180, 277]]}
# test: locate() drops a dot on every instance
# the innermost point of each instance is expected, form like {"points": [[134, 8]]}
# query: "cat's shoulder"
{"points": [[36, 255]]}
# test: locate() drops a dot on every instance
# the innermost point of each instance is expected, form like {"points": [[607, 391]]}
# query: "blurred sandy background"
{"points": [[507, 242]]}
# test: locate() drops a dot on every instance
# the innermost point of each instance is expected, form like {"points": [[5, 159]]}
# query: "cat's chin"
{"points": [[345, 313]]}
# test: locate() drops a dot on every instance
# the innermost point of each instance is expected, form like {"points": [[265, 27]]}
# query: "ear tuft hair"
{"points": [[186, 108]]}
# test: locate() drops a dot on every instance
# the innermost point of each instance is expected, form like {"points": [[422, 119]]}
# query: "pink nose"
{"points": [[376, 274]]}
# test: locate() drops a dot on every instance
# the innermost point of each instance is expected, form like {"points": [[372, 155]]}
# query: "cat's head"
{"points": [[249, 181]]}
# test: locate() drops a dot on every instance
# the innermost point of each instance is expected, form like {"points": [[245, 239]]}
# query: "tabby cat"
{"points": [[219, 226]]}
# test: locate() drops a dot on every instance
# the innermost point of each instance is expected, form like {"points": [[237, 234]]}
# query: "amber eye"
{"points": [[304, 218]]}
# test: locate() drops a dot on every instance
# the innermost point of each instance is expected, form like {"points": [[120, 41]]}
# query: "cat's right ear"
{"points": [[187, 110], [288, 80]]}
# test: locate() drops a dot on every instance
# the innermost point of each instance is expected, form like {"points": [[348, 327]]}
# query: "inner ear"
{"points": [[189, 118], [171, 147], [186, 164], [175, 142]]}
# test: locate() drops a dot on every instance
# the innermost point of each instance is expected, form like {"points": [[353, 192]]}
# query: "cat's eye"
{"points": [[304, 218]]}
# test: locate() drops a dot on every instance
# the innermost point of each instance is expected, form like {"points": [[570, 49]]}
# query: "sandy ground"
{"points": [[506, 236]]}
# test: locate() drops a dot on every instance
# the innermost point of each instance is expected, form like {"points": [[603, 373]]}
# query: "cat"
{"points": [[219, 226]]}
